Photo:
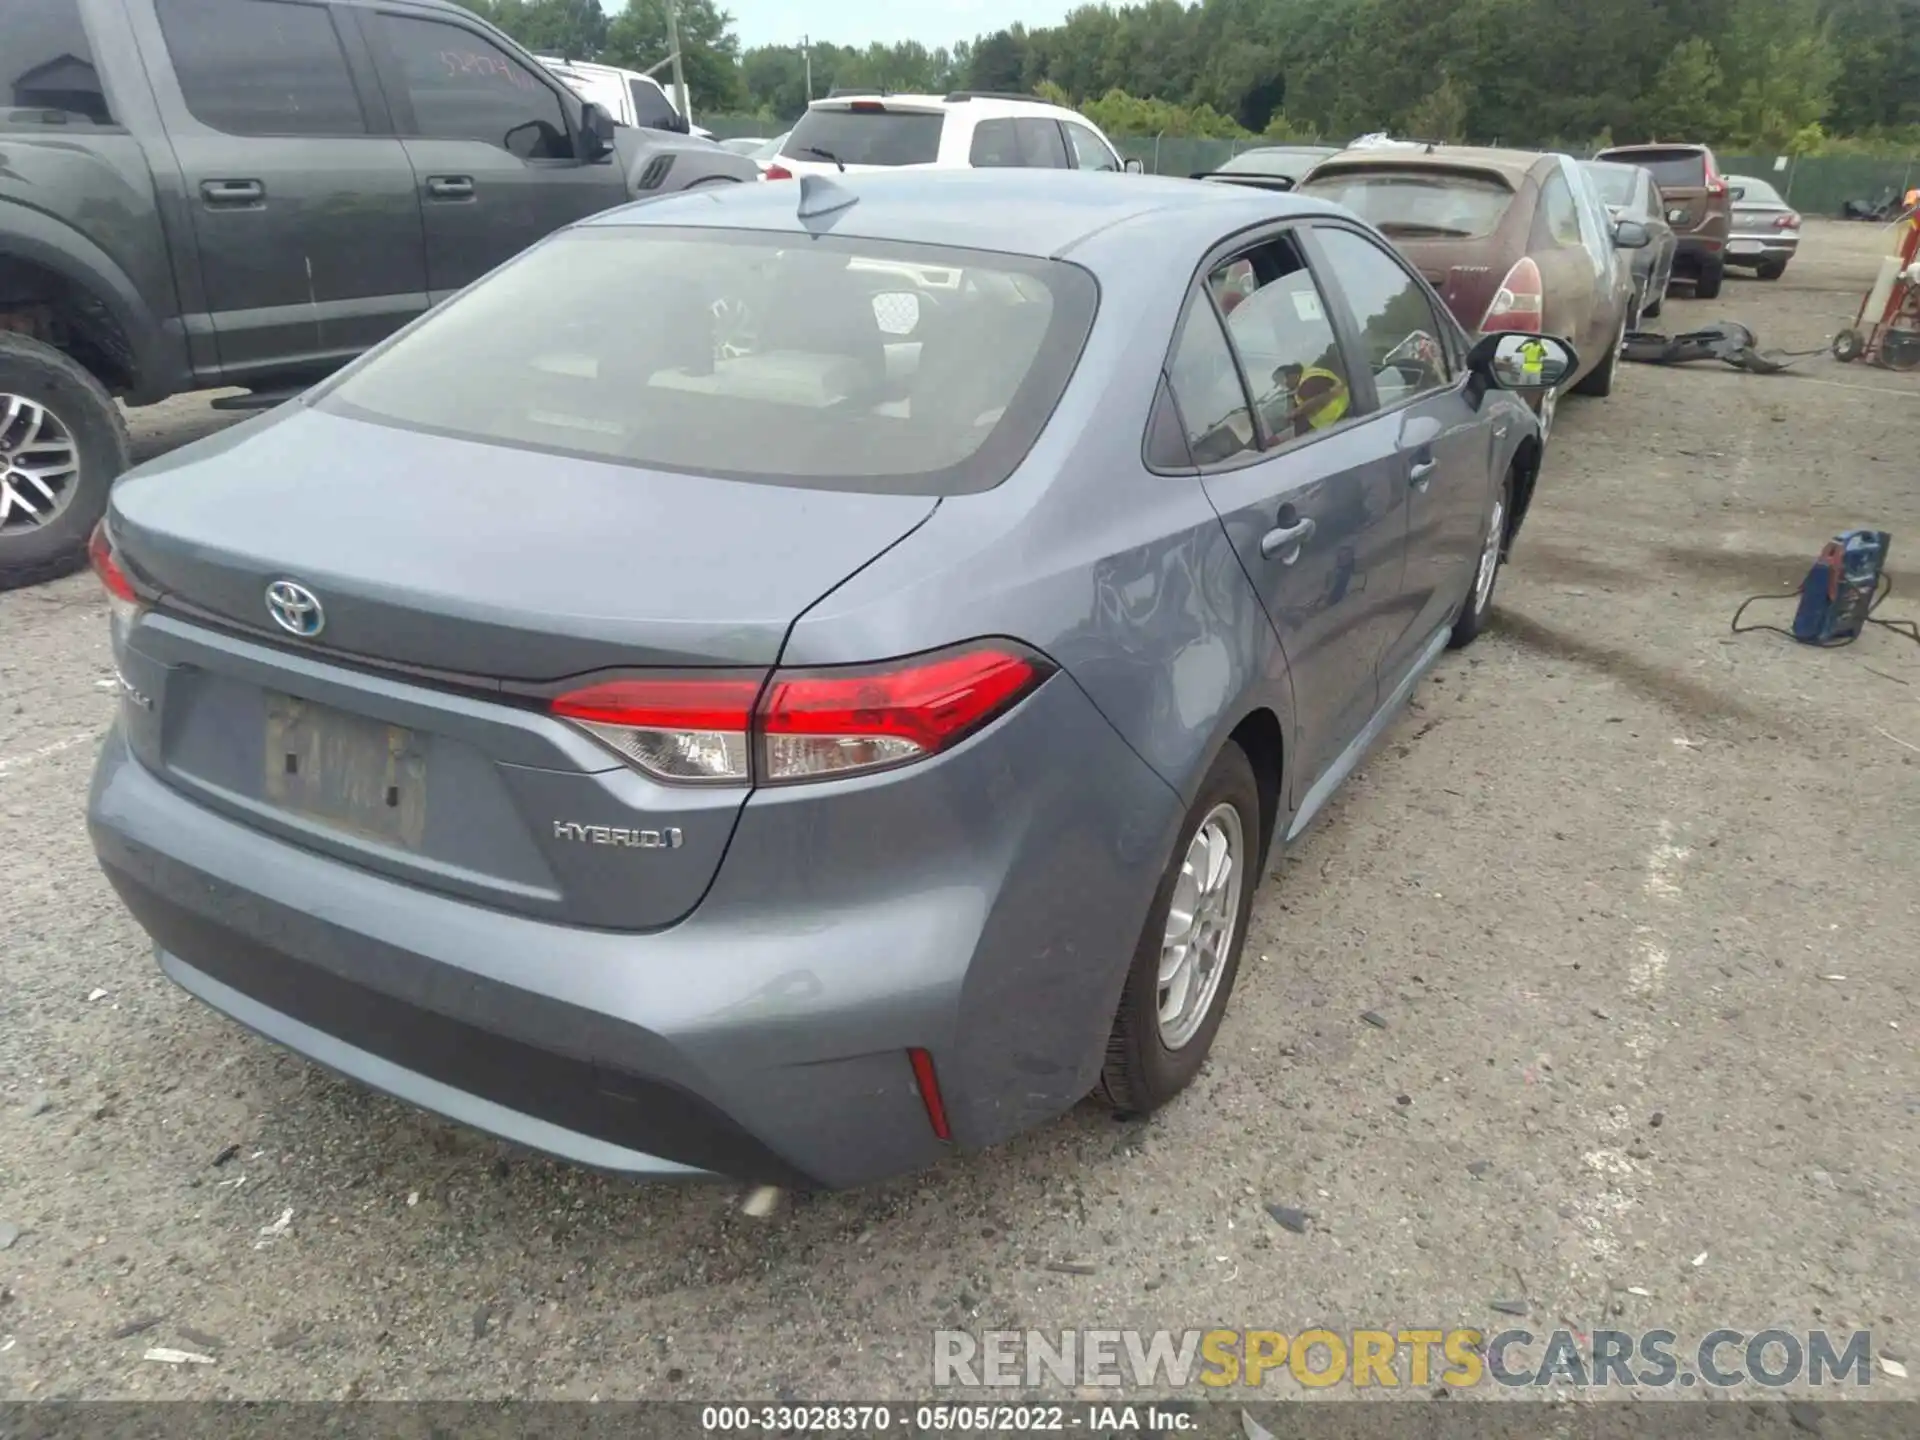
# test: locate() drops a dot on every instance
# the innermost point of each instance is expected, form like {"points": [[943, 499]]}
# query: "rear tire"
{"points": [[1598, 382], [1713, 274], [1479, 602], [1771, 269], [38, 375], [1143, 1071]]}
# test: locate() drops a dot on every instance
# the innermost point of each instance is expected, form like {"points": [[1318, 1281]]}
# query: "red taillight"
{"points": [[807, 725], [107, 566], [1520, 302], [1786, 222], [826, 723], [1716, 183], [777, 171], [122, 599], [929, 1084], [691, 729]]}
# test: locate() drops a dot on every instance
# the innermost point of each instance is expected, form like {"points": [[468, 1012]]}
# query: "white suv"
{"points": [[630, 97], [966, 130]]}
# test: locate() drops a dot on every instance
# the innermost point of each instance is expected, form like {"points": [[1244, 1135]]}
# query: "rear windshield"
{"points": [[1755, 192], [1290, 163], [1417, 203], [1616, 183], [1672, 169], [867, 136], [753, 355]]}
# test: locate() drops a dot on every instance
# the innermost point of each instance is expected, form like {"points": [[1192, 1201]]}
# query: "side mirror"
{"points": [[1134, 167], [598, 127], [1631, 235], [1522, 361]]}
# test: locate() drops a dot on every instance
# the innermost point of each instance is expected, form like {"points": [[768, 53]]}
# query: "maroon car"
{"points": [[1512, 240]]}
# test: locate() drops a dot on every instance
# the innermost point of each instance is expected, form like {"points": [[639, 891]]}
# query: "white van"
{"points": [[627, 95]]}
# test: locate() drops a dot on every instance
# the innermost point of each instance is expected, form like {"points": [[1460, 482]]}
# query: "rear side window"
{"points": [[1417, 204], [261, 67], [869, 135], [1277, 322], [46, 66], [833, 363], [1672, 169], [1032, 144], [1559, 211], [1207, 390], [463, 87]]}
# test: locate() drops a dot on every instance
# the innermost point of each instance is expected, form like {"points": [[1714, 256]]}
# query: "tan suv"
{"points": [[1699, 207]]}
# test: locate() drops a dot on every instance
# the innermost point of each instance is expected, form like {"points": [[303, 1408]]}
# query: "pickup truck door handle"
{"points": [[232, 192], [450, 187], [1287, 539]]}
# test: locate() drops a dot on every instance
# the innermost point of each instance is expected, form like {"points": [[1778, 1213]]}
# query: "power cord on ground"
{"points": [[1908, 628]]}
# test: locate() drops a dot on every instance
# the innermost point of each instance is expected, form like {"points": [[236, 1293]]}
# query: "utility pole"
{"points": [[679, 71], [806, 54]]}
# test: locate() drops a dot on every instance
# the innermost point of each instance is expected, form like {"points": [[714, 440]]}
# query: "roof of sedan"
{"points": [[1018, 211]]}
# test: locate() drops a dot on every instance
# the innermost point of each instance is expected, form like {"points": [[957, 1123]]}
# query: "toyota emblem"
{"points": [[295, 609]]}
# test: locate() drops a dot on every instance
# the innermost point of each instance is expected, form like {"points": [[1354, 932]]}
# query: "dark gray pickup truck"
{"points": [[214, 193]]}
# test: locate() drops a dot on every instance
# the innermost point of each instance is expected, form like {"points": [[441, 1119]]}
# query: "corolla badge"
{"points": [[295, 609]]}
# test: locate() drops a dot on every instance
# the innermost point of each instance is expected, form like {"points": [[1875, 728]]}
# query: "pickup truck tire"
{"points": [[42, 376]]}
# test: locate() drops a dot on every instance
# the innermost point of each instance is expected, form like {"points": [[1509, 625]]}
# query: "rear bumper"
{"points": [[765, 1037], [1692, 251], [1763, 248]]}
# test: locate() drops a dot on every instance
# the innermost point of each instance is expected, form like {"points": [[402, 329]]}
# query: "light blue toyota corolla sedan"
{"points": [[785, 683]]}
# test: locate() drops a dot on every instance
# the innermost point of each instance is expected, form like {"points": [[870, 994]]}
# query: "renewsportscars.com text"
{"points": [[1459, 1359]]}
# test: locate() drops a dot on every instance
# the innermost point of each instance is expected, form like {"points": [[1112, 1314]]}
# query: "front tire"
{"points": [[62, 445], [1479, 602], [1189, 952]]}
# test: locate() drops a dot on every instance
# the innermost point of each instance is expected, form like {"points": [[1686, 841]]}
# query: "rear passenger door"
{"points": [[304, 219], [493, 142], [1442, 451], [1302, 481]]}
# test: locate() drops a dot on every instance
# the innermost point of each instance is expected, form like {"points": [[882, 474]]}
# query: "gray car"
{"points": [[785, 681], [1766, 230], [1630, 193]]}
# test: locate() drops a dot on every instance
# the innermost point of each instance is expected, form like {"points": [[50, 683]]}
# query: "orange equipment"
{"points": [[1886, 332]]}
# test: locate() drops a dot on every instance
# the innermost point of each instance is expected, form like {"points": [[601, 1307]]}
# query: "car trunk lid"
{"points": [[411, 734]]}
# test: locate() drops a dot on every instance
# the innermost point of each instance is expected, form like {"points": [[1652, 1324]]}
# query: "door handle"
{"points": [[1420, 474], [1288, 538], [450, 187], [232, 192]]}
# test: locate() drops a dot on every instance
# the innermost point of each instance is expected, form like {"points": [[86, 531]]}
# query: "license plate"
{"points": [[346, 771], [1746, 247]]}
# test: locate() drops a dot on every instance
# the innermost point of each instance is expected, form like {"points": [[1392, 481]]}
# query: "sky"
{"points": [[855, 22]]}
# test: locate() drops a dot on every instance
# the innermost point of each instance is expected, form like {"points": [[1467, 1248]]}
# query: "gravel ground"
{"points": [[1600, 887]]}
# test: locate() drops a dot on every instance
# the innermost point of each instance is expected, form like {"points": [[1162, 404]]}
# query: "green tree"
{"points": [[1442, 115], [1684, 103], [709, 51]]}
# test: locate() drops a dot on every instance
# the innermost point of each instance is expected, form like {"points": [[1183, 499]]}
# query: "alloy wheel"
{"points": [[1490, 556], [1201, 922], [39, 464]]}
